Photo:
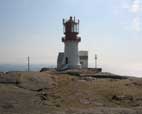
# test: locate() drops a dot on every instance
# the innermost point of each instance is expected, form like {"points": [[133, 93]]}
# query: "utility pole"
{"points": [[28, 64], [96, 57]]}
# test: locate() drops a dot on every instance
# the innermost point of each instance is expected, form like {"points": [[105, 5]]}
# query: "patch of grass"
{"points": [[73, 73]]}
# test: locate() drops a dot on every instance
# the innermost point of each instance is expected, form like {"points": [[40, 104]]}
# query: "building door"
{"points": [[66, 60]]}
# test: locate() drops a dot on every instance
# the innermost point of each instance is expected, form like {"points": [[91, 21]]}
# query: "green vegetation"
{"points": [[73, 73]]}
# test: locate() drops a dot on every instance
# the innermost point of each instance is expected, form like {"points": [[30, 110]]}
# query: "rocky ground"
{"points": [[70, 92]]}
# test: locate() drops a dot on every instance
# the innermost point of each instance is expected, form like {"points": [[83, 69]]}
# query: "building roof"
{"points": [[83, 53]]}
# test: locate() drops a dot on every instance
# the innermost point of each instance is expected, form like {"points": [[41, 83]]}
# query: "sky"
{"points": [[112, 29]]}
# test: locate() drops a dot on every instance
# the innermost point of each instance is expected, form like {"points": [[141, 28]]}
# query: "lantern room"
{"points": [[71, 26], [71, 30]]}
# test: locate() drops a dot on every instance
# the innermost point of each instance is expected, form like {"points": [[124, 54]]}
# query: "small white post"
{"points": [[28, 64], [96, 57]]}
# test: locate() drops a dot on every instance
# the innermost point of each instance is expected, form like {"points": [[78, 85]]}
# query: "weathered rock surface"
{"points": [[52, 92]]}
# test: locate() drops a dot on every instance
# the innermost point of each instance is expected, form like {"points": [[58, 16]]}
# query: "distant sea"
{"points": [[21, 67]]}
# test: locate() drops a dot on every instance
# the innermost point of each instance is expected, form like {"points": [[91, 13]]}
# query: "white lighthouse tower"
{"points": [[71, 40]]}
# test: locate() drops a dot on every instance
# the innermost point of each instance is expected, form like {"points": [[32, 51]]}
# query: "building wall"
{"points": [[71, 52], [84, 63], [60, 60], [83, 60], [83, 55]]}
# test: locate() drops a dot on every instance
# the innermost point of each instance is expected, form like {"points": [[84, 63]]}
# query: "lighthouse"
{"points": [[71, 40], [71, 58]]}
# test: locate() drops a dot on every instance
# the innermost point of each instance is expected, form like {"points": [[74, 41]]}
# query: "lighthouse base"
{"points": [[67, 66], [74, 66], [83, 63]]}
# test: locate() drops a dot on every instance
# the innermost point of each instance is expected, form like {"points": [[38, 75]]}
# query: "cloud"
{"points": [[130, 11], [136, 6], [136, 24], [136, 10]]}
